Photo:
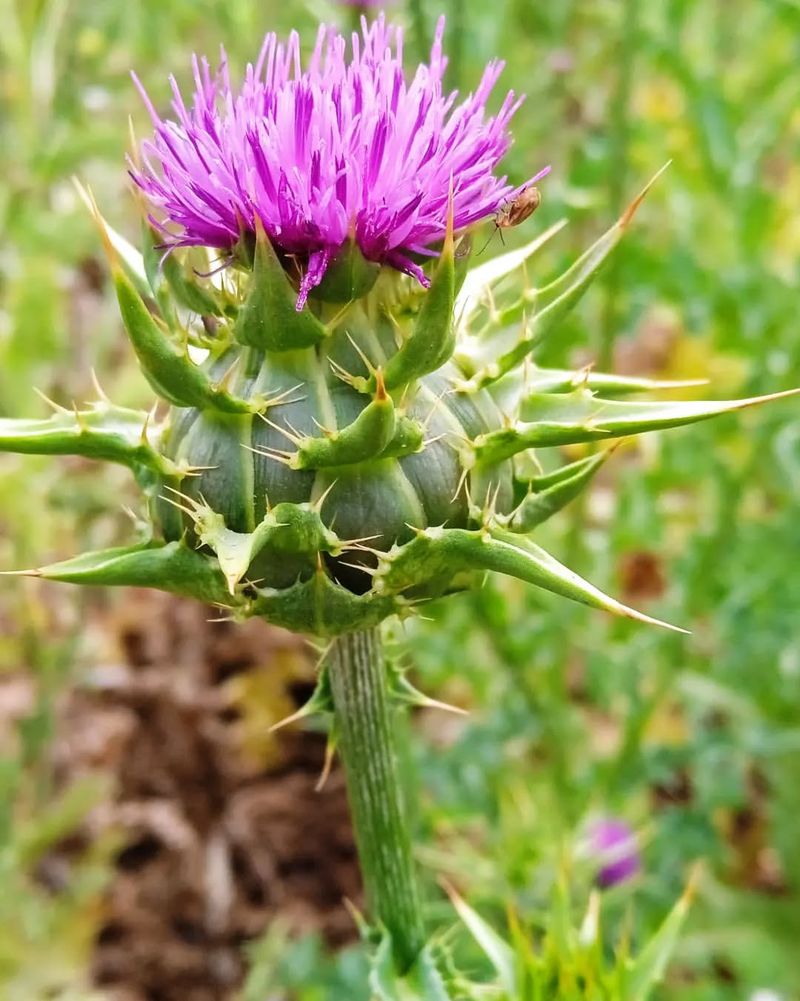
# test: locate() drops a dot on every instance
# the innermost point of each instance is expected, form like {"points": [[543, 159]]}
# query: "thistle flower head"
{"points": [[345, 149], [325, 468], [613, 847]]}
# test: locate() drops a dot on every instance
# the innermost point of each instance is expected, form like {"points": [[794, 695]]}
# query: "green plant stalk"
{"points": [[619, 158], [457, 20], [366, 743]]}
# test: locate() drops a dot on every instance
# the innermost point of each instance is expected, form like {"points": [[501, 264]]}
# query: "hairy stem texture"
{"points": [[366, 742]]}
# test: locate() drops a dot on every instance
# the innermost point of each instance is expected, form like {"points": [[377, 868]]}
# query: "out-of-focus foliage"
{"points": [[694, 740]]}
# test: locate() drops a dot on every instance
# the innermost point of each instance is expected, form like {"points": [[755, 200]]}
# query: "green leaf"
{"points": [[543, 309], [366, 437], [129, 257], [423, 982], [408, 438], [321, 606], [647, 970], [497, 950], [479, 282], [288, 530], [349, 276], [436, 552], [169, 370], [59, 818], [431, 342], [541, 504], [172, 567], [105, 432], [235, 550], [556, 380], [269, 318], [556, 419], [172, 280]]}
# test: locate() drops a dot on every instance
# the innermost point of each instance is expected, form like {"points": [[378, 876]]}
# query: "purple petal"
{"points": [[346, 145]]}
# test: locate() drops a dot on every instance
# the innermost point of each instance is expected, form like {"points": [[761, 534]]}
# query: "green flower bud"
{"points": [[330, 466]]}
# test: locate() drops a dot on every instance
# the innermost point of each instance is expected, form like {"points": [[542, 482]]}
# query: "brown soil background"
{"points": [[221, 829]]}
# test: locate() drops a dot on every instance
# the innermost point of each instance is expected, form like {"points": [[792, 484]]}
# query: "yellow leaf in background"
{"points": [[263, 697], [667, 726], [660, 100], [786, 231], [695, 357]]}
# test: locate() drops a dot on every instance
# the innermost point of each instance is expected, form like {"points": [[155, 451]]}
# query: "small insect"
{"points": [[519, 209], [516, 211]]}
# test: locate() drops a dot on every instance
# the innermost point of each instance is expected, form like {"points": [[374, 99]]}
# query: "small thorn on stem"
{"points": [[51, 403], [330, 753], [317, 504]]}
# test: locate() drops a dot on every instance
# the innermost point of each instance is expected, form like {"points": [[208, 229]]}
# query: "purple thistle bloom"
{"points": [[613, 847], [340, 149]]}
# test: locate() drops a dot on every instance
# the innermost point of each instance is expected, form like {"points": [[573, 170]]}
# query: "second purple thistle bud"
{"points": [[613, 847]]}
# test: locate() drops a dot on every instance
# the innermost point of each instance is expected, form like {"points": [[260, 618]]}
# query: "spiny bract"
{"points": [[343, 442]]}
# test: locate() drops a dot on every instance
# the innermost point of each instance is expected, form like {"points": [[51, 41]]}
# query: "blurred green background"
{"points": [[694, 740]]}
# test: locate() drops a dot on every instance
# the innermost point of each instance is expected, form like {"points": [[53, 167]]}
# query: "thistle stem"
{"points": [[366, 743]]}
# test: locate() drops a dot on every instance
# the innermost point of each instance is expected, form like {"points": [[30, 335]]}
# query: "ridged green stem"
{"points": [[366, 743]]}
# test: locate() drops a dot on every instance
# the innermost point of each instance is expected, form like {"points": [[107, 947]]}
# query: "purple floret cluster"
{"points": [[343, 148], [614, 848]]}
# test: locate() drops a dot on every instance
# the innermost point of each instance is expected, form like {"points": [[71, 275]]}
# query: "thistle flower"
{"points": [[339, 151], [613, 847], [326, 466]]}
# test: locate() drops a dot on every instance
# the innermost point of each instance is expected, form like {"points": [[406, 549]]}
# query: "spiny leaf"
{"points": [[556, 419], [542, 504], [287, 530], [172, 567], [431, 341], [545, 307], [235, 550], [131, 260], [476, 290], [497, 950], [105, 432], [423, 982], [365, 438], [439, 551], [649, 967], [408, 438], [403, 692], [321, 701], [169, 370], [349, 276], [269, 318], [531, 379], [322, 607], [186, 289]]}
